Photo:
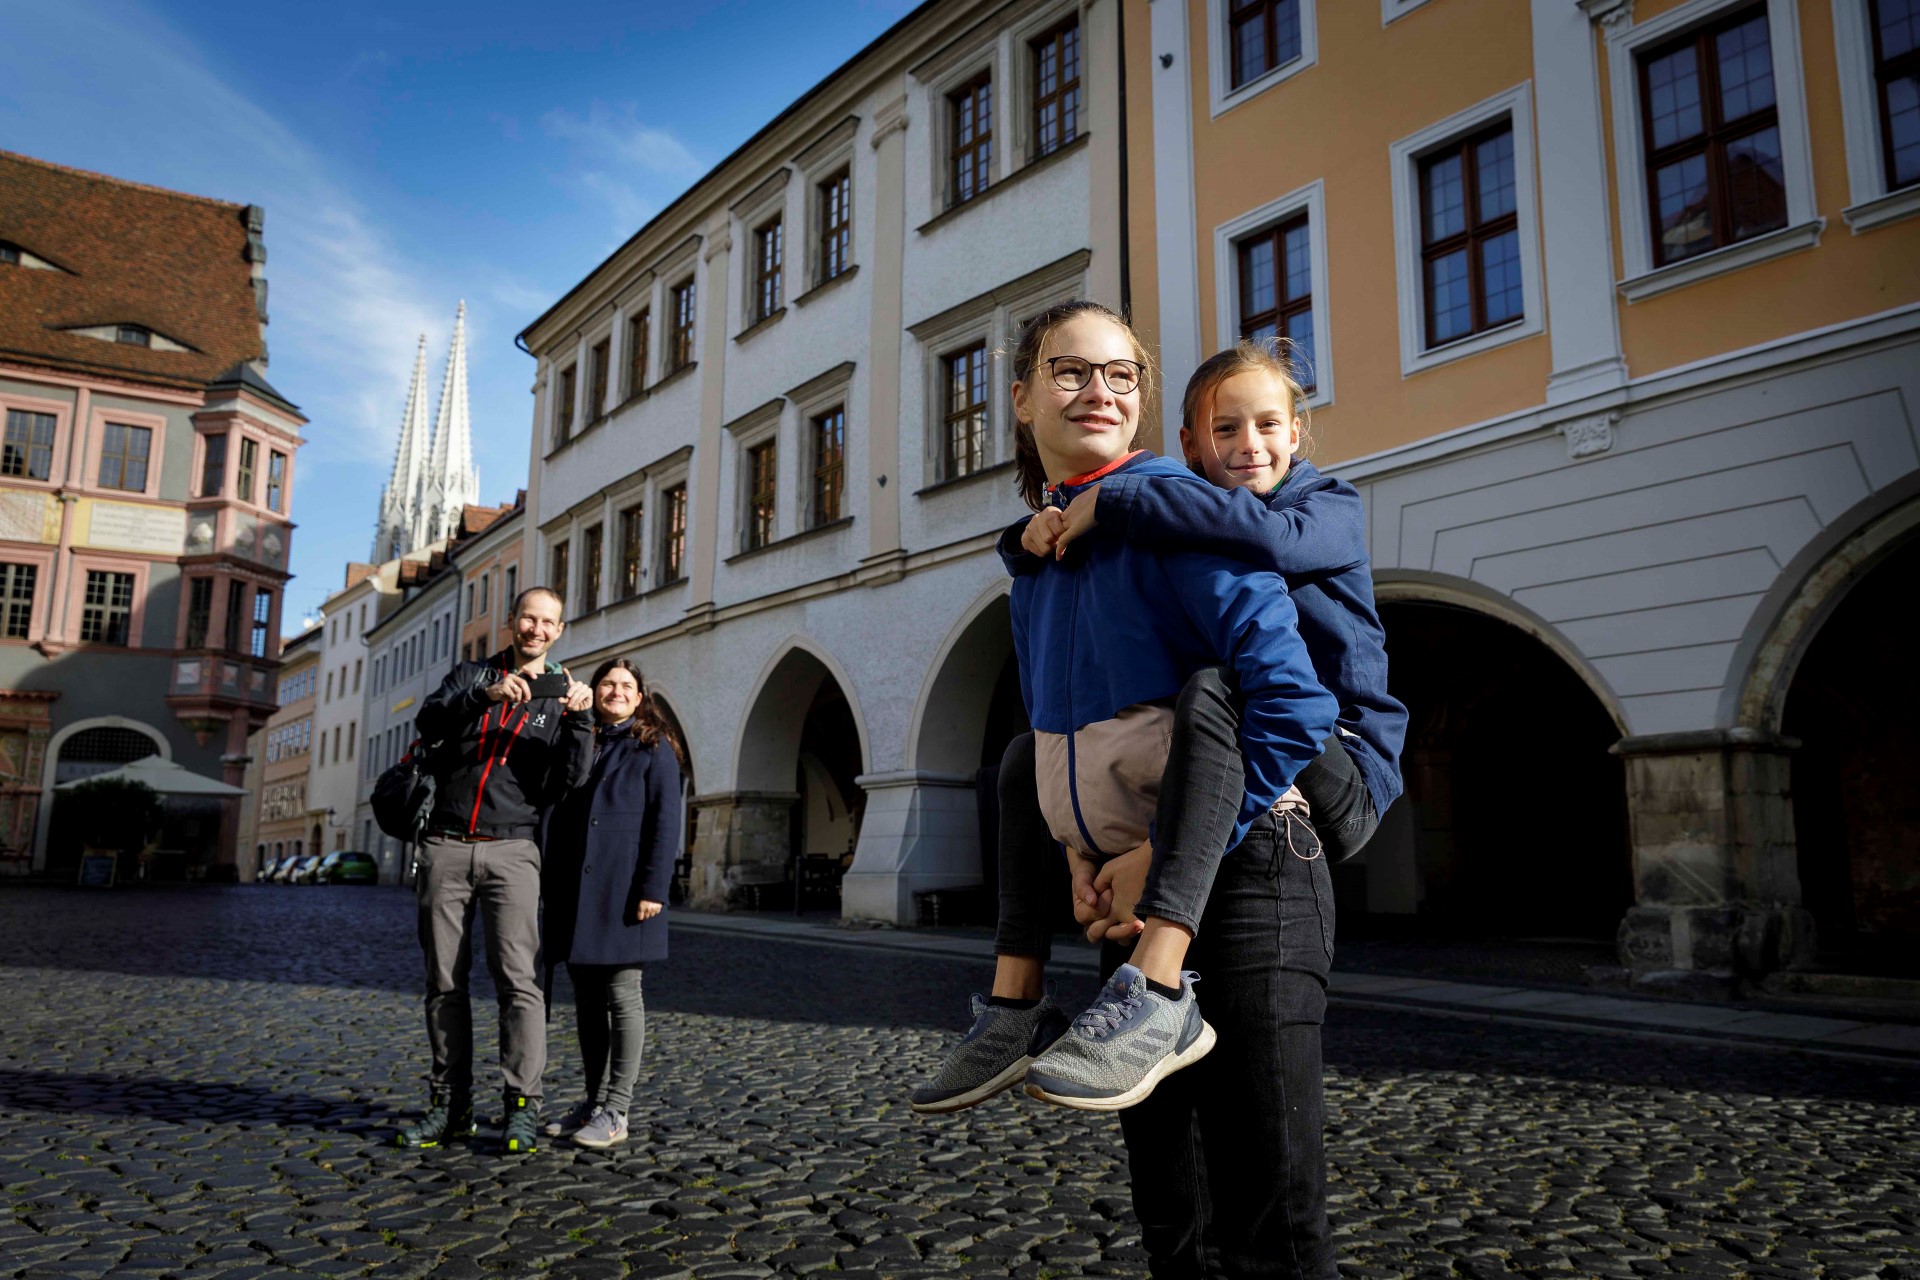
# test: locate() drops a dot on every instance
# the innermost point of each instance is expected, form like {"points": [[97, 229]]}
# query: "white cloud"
{"points": [[602, 133]]}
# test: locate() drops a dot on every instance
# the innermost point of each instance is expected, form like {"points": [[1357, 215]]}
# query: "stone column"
{"points": [[885, 559], [921, 830], [740, 838], [1716, 884]]}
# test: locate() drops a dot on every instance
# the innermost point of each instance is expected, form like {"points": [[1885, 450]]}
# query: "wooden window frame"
{"points": [[212, 467], [246, 468], [277, 469], [974, 154], [592, 558], [829, 466], [762, 459], [559, 564], [673, 533], [62, 460], [639, 335], [130, 610], [1884, 70], [835, 194], [1283, 309], [1472, 236], [30, 447], [11, 572], [682, 304], [599, 367], [1239, 14], [1061, 40], [769, 255], [199, 620], [632, 548], [957, 418], [1715, 134], [125, 458], [568, 388]]}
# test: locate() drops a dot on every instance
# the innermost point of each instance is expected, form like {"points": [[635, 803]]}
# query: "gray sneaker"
{"points": [[1128, 1041], [992, 1056], [567, 1125], [606, 1128]]}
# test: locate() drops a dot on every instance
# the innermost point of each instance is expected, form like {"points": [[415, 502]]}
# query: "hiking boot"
{"points": [[1129, 1040], [520, 1134], [607, 1128], [991, 1057], [448, 1116], [565, 1126]]}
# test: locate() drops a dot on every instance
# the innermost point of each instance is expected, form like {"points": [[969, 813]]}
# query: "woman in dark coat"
{"points": [[608, 859]]}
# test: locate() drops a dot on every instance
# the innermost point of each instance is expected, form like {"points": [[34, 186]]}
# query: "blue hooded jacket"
{"points": [[1115, 625], [1311, 530]]}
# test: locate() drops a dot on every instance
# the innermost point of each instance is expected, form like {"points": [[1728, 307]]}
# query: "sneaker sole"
{"points": [[514, 1147], [404, 1145], [978, 1094], [1200, 1048], [599, 1146]]}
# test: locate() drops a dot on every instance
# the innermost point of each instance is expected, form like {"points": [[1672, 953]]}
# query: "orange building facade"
{"points": [[1611, 311]]}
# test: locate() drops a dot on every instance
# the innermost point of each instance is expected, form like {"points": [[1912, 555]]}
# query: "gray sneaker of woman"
{"points": [[606, 1128], [567, 1125]]}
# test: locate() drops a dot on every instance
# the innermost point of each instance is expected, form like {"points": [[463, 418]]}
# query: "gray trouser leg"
{"points": [[444, 889], [628, 1012], [508, 886], [613, 1030]]}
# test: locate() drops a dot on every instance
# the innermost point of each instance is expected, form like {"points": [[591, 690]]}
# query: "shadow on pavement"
{"points": [[187, 1101]]}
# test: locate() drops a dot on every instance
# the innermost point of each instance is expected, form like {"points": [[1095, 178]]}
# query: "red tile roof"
{"points": [[131, 254]]}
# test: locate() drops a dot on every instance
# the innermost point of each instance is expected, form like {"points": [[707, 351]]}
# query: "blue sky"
{"points": [[410, 155]]}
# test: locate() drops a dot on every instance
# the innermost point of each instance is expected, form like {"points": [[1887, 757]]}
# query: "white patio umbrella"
{"points": [[165, 777]]}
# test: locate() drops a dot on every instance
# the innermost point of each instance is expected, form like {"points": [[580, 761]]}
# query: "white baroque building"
{"points": [[772, 442]]}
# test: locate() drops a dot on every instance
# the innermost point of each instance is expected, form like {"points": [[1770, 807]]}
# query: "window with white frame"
{"points": [[1711, 159], [1253, 45], [1467, 233], [1270, 269], [819, 407], [824, 172], [1877, 46]]}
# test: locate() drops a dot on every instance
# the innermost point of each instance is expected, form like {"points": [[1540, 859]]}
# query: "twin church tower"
{"points": [[433, 474]]}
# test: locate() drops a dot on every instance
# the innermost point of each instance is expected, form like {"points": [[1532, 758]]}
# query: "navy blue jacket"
{"points": [[611, 843], [1311, 530], [1113, 626]]}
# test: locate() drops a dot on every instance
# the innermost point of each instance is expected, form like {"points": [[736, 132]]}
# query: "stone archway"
{"points": [[946, 800], [79, 750], [1514, 822], [791, 822], [1852, 705]]}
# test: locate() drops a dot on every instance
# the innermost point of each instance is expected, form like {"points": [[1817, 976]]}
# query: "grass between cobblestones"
{"points": [[203, 1082]]}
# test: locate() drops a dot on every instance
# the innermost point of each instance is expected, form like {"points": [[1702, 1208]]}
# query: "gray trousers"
{"points": [[502, 878], [613, 1029]]}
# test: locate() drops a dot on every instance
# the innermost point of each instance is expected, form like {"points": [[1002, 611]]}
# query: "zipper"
{"points": [[1073, 733], [480, 792]]}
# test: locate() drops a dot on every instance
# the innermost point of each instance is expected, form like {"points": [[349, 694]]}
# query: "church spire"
{"points": [[394, 532], [451, 482]]}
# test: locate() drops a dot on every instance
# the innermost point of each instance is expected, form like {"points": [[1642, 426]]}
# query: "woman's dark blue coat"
{"points": [[611, 843]]}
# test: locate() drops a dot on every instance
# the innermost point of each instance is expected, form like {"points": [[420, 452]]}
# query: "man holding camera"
{"points": [[514, 734]]}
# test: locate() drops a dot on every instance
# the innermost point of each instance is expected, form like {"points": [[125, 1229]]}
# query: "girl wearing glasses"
{"points": [[1106, 641]]}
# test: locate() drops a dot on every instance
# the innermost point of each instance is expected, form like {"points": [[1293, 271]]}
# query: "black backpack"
{"points": [[403, 795]]}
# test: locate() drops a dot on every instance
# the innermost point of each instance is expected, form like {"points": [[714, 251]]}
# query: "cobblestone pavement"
{"points": [[199, 1082]]}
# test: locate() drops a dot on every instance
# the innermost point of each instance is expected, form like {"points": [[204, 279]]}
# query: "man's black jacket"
{"points": [[500, 764]]}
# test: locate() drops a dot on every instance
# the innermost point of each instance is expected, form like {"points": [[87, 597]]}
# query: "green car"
{"points": [[347, 866]]}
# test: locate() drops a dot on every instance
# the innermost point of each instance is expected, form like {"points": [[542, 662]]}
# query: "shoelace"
{"points": [[1107, 1013]]}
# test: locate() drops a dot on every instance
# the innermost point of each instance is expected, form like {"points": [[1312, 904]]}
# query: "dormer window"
{"points": [[13, 255], [132, 335]]}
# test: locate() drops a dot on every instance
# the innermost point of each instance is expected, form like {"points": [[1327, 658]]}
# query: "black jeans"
{"points": [[1200, 796], [1204, 786], [1226, 1158]]}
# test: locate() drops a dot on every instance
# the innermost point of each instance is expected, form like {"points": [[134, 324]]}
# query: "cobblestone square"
{"points": [[201, 1083]]}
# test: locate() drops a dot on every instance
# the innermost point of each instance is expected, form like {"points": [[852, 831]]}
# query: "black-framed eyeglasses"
{"points": [[1073, 373]]}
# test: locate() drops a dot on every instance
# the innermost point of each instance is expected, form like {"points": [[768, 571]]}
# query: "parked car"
{"points": [[265, 874], [283, 870], [304, 870], [348, 866]]}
